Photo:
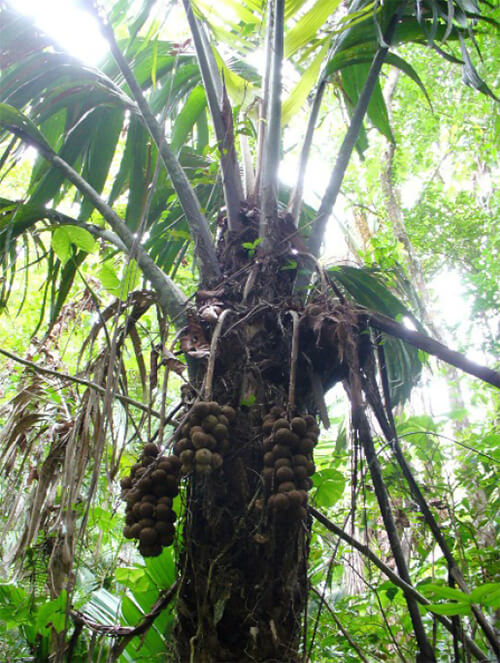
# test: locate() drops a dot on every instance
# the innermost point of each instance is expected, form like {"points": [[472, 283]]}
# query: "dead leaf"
{"points": [[172, 363]]}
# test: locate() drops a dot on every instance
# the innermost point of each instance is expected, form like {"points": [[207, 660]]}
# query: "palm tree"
{"points": [[269, 330]]}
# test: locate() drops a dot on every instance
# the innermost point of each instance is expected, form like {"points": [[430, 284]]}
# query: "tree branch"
{"points": [[72, 378], [347, 147], [407, 588], [198, 225], [389, 430], [171, 299], [361, 425], [295, 204], [222, 118], [433, 347], [127, 632], [271, 154]]}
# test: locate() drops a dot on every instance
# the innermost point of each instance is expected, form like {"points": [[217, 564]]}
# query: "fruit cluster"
{"points": [[148, 491], [288, 464], [204, 438]]}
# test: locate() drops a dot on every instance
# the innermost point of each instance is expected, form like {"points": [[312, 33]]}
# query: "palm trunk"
{"points": [[244, 574]]}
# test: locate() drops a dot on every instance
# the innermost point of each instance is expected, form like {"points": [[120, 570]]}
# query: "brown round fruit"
{"points": [[303, 495], [139, 472], [214, 407], [268, 458], [228, 412], [220, 432], [201, 409], [187, 456], [175, 463], [166, 540], [135, 530], [133, 496], [127, 532], [276, 411], [162, 512], [165, 500], [216, 461], [181, 445], [306, 445], [148, 536], [130, 518], [185, 470], [148, 460], [280, 451], [285, 436], [286, 487], [126, 483], [171, 485], [209, 423], [134, 469], [199, 440], [305, 484], [165, 464], [278, 502], [295, 498], [136, 510], [284, 474], [299, 426], [300, 472], [281, 423], [150, 551], [146, 509], [144, 523], [160, 490], [267, 425], [149, 498], [299, 459], [282, 462], [158, 477], [151, 449], [203, 457], [162, 527], [145, 484], [268, 443], [267, 477], [223, 420], [310, 467]]}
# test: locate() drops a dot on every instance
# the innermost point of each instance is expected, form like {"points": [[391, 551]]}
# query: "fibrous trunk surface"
{"points": [[244, 562]]}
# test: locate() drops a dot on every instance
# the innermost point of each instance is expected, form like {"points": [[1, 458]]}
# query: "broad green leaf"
{"points": [[444, 592], [329, 484], [353, 80], [109, 279], [52, 614], [193, 108], [308, 25], [487, 594], [65, 236], [449, 609], [299, 94], [107, 129], [161, 569], [11, 119]]}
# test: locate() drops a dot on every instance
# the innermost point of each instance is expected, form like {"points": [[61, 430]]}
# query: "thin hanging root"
{"points": [[207, 388], [293, 361]]}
